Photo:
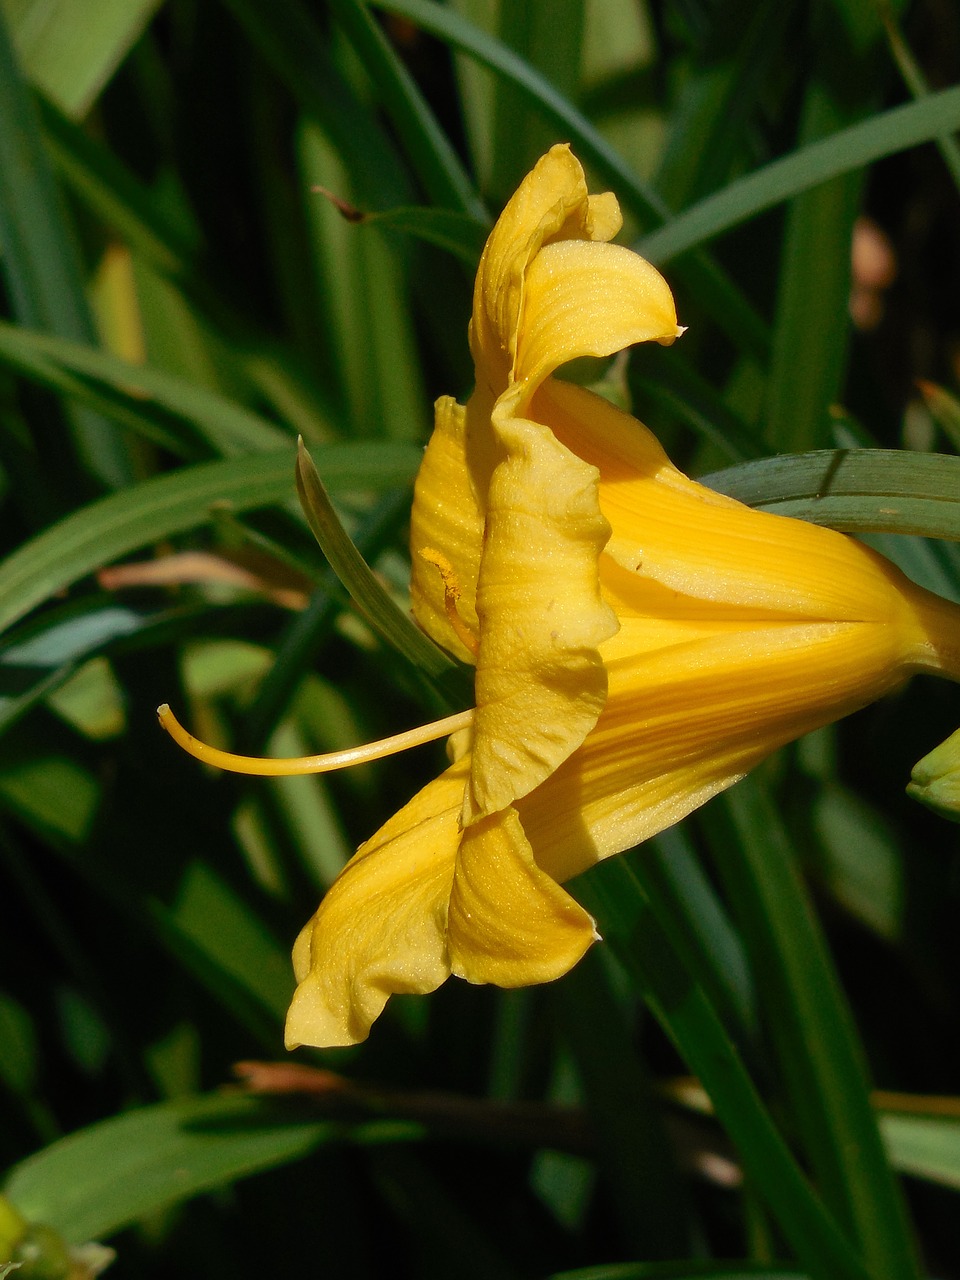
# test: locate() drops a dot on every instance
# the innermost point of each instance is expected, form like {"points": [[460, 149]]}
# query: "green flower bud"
{"points": [[935, 780], [12, 1227]]}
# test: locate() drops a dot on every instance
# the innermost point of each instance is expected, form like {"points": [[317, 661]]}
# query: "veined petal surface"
{"points": [[684, 721], [540, 682], [381, 927], [707, 548], [510, 923], [585, 299]]}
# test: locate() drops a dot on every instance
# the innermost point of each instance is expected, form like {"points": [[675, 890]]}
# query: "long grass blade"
{"points": [[852, 148], [855, 490]]}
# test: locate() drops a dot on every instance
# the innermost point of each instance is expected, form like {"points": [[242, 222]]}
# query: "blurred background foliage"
{"points": [[181, 300]]}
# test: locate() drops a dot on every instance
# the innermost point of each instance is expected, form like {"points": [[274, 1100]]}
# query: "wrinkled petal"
{"points": [[685, 721], [540, 681], [381, 928], [584, 299], [447, 515], [551, 203], [510, 923]]}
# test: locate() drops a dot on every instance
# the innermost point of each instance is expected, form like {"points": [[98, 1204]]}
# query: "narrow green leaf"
{"points": [[180, 415], [812, 327], [637, 1161], [299, 52], [303, 636], [701, 930], [38, 659], [944, 409], [71, 48], [549, 39], [115, 196], [41, 260], [715, 290], [169, 504], [926, 1146], [446, 24], [674, 382], [209, 914], [365, 589], [856, 490], [859, 859], [457, 233], [718, 100], [916, 82], [852, 148], [812, 1029], [433, 157], [614, 893], [100, 1179]]}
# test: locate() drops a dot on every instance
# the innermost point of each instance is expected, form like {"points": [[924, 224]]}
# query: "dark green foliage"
{"points": [[179, 303]]}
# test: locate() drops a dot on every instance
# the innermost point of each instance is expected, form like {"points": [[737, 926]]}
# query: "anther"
{"points": [[451, 596]]}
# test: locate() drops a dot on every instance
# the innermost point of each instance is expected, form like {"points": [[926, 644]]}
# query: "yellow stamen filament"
{"points": [[277, 768], [451, 596]]}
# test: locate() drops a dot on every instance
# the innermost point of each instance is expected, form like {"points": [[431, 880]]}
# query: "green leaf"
{"points": [[720, 98], [851, 148], [299, 52], [307, 631], [926, 1146], [715, 289], [856, 490], [431, 152], [614, 893], [811, 1027], [365, 589], [446, 24], [208, 913], [944, 408], [639, 1166], [41, 260], [812, 326], [549, 39], [70, 48], [859, 859], [179, 415], [94, 1182], [117, 198], [916, 82], [56, 795], [169, 504], [457, 233]]}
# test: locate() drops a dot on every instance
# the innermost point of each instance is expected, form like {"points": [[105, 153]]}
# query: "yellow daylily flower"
{"points": [[640, 641]]}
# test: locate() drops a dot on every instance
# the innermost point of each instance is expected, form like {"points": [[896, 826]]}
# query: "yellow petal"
{"points": [[509, 922], [551, 201], [447, 514], [684, 722], [381, 927], [584, 299], [697, 544], [603, 217], [540, 681]]}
